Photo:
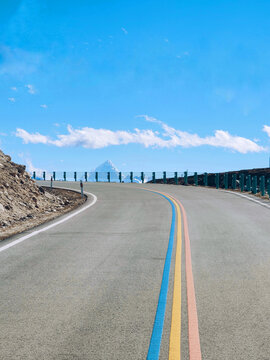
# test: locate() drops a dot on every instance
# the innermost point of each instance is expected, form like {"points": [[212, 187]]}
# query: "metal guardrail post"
{"points": [[81, 186], [109, 176], [268, 187], [85, 176], [54, 176], [142, 177], [185, 178], [34, 175], [120, 177], [131, 176], [205, 179], [226, 181], [234, 181], [176, 178], [242, 182], [262, 185], [196, 179], [75, 176], [217, 180], [51, 182], [44, 175], [164, 177], [254, 184], [65, 176], [154, 177], [248, 187]]}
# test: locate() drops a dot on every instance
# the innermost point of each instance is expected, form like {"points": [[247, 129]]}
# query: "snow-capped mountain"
{"points": [[103, 170], [107, 166]]}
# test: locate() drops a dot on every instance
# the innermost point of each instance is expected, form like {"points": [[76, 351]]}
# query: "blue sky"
{"points": [[151, 85]]}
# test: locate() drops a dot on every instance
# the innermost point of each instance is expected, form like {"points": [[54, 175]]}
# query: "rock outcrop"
{"points": [[23, 202]]}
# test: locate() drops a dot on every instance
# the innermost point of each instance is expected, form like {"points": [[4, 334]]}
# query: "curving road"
{"points": [[89, 287]]}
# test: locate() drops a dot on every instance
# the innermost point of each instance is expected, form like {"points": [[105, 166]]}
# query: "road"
{"points": [[89, 288]]}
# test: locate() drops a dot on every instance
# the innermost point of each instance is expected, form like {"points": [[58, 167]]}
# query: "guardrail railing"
{"points": [[243, 181], [111, 176]]}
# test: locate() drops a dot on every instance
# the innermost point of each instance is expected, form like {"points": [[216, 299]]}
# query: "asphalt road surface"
{"points": [[89, 287]]}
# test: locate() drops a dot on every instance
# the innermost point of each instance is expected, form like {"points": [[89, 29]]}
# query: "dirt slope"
{"points": [[23, 204]]}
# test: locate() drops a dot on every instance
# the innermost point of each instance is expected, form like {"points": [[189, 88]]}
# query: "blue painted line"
{"points": [[155, 342]]}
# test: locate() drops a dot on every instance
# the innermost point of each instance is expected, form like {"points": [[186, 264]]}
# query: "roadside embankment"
{"points": [[24, 204]]}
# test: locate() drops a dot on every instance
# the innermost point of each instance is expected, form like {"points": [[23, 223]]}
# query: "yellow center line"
{"points": [[175, 334]]}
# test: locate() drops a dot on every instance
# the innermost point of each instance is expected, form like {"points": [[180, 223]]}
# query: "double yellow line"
{"points": [[175, 335], [193, 326]]}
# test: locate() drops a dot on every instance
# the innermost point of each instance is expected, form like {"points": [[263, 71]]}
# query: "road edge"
{"points": [[56, 222]]}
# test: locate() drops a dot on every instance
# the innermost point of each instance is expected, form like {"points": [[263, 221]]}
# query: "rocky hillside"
{"points": [[24, 204]]}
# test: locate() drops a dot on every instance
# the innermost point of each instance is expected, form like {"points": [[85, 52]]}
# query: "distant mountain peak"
{"points": [[107, 166], [109, 162]]}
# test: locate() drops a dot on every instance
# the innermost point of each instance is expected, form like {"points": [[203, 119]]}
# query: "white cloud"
{"points": [[31, 168], [266, 129], [14, 88], [39, 172], [124, 30], [56, 124], [11, 99], [26, 159], [31, 138], [99, 138], [221, 138], [95, 138], [31, 89], [44, 106]]}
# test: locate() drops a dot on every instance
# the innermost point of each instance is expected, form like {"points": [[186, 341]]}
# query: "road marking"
{"points": [[247, 197], [155, 342], [175, 335], [193, 326], [36, 232]]}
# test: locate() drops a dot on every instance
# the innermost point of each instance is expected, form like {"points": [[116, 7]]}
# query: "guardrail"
{"points": [[236, 181], [121, 177]]}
